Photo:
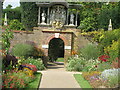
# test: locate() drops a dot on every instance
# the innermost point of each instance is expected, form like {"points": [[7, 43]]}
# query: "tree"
{"points": [[108, 12], [9, 6], [29, 14], [89, 12], [14, 13]]}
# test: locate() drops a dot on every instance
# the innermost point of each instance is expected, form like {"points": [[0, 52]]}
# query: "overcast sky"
{"points": [[14, 3]]}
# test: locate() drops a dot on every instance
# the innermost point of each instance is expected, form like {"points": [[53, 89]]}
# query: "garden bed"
{"points": [[36, 82]]}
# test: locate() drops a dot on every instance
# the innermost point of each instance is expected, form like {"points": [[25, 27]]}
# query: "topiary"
{"points": [[23, 50]]}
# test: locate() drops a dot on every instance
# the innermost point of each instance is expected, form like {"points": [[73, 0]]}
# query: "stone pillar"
{"points": [[76, 18], [39, 15], [48, 16], [67, 16]]}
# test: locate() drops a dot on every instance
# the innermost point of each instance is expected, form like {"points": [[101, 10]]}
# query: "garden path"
{"points": [[57, 77]]}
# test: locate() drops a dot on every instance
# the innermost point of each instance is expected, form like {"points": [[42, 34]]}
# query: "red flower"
{"points": [[104, 58]]}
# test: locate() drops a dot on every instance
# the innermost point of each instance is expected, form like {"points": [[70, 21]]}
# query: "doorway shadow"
{"points": [[55, 65]]}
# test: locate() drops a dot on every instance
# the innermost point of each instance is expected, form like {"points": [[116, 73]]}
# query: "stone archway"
{"points": [[56, 49], [66, 37]]}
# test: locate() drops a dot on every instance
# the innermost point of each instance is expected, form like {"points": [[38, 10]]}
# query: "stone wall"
{"points": [[41, 37]]}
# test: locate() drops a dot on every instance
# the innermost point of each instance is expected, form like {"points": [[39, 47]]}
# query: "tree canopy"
{"points": [[12, 13]]}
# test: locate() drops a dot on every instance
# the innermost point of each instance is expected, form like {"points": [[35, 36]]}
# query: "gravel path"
{"points": [[56, 77]]}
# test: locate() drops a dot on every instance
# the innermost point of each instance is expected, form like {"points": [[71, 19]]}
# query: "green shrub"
{"points": [[16, 25], [23, 50], [90, 51], [91, 65], [75, 64], [107, 37], [37, 62], [103, 66]]}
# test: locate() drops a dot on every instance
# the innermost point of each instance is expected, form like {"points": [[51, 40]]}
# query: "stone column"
{"points": [[67, 16], [48, 16], [39, 15], [76, 18]]}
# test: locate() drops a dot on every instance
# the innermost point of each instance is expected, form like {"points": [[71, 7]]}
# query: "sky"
{"points": [[14, 3]]}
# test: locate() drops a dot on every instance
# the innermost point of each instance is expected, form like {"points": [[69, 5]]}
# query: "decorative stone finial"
{"points": [[110, 25], [5, 21]]}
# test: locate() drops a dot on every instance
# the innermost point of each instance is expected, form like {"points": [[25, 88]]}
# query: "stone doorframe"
{"points": [[67, 39]]}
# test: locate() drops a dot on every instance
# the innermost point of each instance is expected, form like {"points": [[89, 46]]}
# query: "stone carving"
{"points": [[58, 13], [43, 17], [57, 24], [71, 19]]}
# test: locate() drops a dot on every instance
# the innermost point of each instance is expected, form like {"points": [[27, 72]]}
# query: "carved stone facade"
{"points": [[58, 12]]}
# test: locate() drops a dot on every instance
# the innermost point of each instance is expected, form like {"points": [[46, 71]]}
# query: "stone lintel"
{"points": [[53, 31]]}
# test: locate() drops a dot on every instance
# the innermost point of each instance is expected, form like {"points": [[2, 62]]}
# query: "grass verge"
{"points": [[36, 82], [82, 82]]}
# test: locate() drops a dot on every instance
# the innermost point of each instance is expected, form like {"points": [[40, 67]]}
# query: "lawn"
{"points": [[36, 82], [60, 60], [82, 82]]}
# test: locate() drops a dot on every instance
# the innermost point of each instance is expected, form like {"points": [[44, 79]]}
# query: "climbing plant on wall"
{"points": [[29, 14], [7, 35]]}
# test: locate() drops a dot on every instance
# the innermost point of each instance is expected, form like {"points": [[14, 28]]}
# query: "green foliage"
{"points": [[16, 25], [95, 15], [25, 50], [106, 13], [37, 62], [29, 14], [7, 35], [88, 24], [90, 51], [114, 81], [75, 64], [107, 37], [103, 66], [36, 82], [14, 13], [90, 65], [113, 50]]}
